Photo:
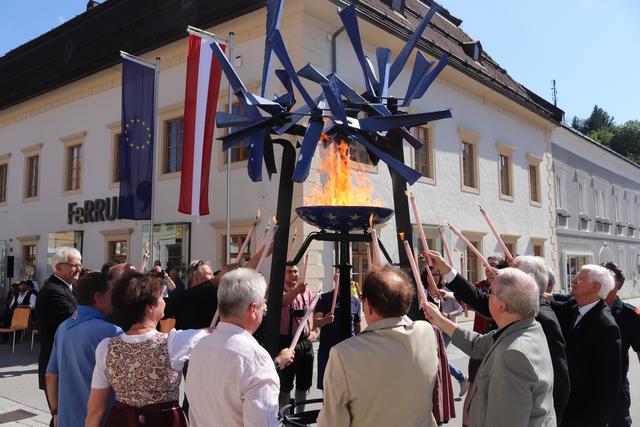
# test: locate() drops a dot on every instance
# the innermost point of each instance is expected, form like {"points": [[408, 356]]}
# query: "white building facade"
{"points": [[58, 152]]}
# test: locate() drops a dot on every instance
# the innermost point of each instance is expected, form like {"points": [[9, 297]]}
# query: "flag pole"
{"points": [[155, 141], [230, 110]]}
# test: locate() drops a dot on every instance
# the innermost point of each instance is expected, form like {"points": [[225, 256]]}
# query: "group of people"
{"points": [[548, 360]]}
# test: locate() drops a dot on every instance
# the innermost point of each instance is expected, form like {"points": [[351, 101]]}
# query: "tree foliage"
{"points": [[600, 126]]}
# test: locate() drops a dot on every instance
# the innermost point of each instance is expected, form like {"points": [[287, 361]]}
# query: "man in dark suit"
{"points": [[593, 348], [56, 302], [479, 301]]}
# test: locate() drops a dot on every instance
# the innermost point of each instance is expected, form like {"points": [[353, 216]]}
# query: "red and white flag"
{"points": [[200, 104]]}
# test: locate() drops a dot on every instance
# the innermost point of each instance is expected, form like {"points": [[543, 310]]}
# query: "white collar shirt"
{"points": [[232, 381], [64, 281], [583, 310]]}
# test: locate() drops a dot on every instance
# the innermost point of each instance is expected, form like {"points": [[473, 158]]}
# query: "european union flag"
{"points": [[136, 144]]}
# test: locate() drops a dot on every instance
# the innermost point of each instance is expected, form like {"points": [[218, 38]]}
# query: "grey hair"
{"points": [[603, 276], [518, 291], [239, 289], [552, 277], [62, 255], [196, 266], [536, 268]]}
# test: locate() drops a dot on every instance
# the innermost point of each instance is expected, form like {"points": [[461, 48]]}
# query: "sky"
{"points": [[589, 47]]}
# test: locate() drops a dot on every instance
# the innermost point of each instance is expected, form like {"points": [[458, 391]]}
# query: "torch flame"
{"points": [[371, 220], [401, 236], [346, 183]]}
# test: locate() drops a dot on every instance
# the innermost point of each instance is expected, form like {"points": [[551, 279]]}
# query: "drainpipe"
{"points": [[334, 36]]}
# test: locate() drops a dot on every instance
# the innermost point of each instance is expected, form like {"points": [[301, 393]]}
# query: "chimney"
{"points": [[91, 4]]}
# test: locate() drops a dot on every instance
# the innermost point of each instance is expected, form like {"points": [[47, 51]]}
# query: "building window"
{"points": [[32, 177], [115, 171], [468, 165], [538, 249], [29, 256], [534, 188], [234, 246], [4, 174], [505, 175], [118, 251], [473, 263], [74, 167], [241, 152], [173, 145], [358, 153], [424, 158], [573, 265], [359, 261]]}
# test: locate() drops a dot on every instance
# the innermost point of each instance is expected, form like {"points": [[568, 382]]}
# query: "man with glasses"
{"points": [[56, 302]]}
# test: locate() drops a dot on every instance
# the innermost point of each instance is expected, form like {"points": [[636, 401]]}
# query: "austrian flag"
{"points": [[200, 102]]}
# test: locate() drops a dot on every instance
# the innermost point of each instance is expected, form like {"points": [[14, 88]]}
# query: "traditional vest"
{"points": [[141, 373]]}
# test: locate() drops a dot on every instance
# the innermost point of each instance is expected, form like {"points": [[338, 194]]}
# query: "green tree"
{"points": [[626, 140]]}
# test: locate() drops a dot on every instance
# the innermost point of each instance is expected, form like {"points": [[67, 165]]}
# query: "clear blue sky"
{"points": [[590, 47]]}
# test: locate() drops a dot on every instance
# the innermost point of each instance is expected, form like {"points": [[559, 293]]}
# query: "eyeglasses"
{"points": [[70, 265]]}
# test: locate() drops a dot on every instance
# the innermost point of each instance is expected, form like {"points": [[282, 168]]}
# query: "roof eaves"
{"points": [[596, 143]]}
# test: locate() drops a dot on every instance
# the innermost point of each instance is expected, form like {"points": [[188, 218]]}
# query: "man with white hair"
{"points": [[232, 380], [479, 301], [56, 302], [514, 384], [593, 348]]}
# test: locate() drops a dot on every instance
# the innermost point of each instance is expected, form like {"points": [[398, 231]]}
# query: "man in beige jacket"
{"points": [[384, 376]]}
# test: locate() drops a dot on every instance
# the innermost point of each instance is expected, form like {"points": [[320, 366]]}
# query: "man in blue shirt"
{"points": [[73, 357], [329, 331]]}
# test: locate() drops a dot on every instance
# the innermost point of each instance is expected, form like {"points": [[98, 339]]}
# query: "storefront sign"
{"points": [[97, 210]]}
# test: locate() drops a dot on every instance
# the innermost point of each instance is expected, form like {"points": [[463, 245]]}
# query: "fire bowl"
{"points": [[343, 218]]}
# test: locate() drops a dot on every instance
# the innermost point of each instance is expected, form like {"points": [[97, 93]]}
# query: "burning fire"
{"points": [[346, 183]]}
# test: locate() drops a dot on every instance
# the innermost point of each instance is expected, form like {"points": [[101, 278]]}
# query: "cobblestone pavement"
{"points": [[21, 399]]}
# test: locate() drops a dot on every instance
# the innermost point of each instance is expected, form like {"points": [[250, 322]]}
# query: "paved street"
{"points": [[24, 404]]}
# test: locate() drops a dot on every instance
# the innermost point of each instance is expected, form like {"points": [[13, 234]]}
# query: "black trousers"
{"points": [[302, 367]]}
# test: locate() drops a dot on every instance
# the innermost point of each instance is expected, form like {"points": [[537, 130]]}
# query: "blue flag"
{"points": [[136, 145]]}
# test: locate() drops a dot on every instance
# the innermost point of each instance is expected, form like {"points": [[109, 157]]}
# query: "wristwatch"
{"points": [[277, 363]]}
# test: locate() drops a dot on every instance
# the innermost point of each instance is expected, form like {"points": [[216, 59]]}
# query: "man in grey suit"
{"points": [[385, 375], [514, 385]]}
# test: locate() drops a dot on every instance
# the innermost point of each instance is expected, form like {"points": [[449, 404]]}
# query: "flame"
{"points": [[371, 220], [346, 183], [401, 236]]}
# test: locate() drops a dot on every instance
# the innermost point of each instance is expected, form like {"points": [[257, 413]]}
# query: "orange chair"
{"points": [[166, 325], [19, 322]]}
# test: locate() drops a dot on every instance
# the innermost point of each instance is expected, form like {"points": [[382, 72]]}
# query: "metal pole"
{"points": [[156, 89], [230, 109]]}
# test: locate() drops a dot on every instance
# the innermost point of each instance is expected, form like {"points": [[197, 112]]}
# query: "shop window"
{"points": [[171, 244]]}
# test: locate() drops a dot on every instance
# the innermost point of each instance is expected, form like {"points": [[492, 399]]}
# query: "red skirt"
{"points": [[165, 414]]}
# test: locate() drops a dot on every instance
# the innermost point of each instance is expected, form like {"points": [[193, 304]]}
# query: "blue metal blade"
{"points": [[431, 76], [269, 157], [227, 120], [286, 100], [309, 144], [270, 107], [235, 138], [351, 94], [420, 67], [281, 52], [229, 72], [371, 72], [378, 124], [299, 114], [309, 72], [398, 64], [384, 63], [408, 136], [254, 165], [410, 175], [274, 12], [332, 94], [284, 79], [349, 19]]}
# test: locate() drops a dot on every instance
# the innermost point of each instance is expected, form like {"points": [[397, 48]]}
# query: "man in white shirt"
{"points": [[25, 297], [232, 380]]}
